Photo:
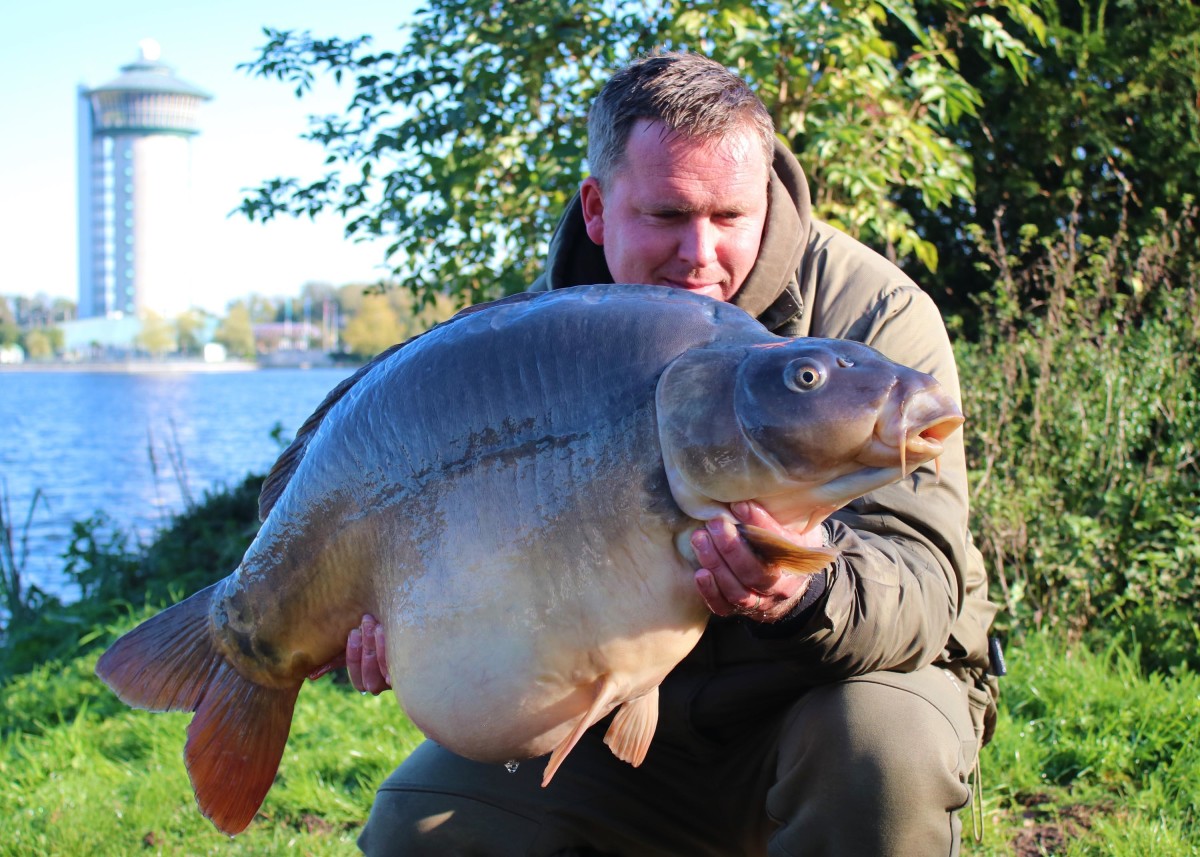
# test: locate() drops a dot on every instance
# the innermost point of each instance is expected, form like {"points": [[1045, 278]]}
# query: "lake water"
{"points": [[130, 445]]}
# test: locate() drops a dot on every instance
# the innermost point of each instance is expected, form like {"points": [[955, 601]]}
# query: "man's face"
{"points": [[682, 213]]}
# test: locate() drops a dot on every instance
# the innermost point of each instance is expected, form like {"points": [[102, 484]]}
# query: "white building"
{"points": [[135, 191]]}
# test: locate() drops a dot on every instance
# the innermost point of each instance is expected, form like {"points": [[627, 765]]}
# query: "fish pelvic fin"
{"points": [[236, 739], [783, 556], [632, 728], [603, 692]]}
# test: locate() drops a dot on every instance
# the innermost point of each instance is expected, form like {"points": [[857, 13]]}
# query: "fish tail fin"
{"points": [[234, 745], [235, 741], [165, 663], [784, 556]]}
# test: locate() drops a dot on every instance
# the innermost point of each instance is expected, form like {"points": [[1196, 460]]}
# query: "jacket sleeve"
{"points": [[895, 592]]}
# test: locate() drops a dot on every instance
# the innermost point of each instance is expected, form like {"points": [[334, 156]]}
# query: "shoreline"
{"points": [[133, 367], [148, 367]]}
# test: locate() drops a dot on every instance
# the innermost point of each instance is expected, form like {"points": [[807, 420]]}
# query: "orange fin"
{"points": [[235, 741], [632, 728], [781, 555], [601, 703], [234, 745]]}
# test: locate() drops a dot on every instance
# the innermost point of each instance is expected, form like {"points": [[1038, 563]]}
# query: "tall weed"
{"points": [[1082, 394], [114, 575]]}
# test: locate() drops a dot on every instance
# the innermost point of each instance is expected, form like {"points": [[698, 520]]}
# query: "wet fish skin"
{"points": [[508, 494]]}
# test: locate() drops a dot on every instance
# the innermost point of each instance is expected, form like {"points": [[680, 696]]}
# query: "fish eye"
{"points": [[803, 377]]}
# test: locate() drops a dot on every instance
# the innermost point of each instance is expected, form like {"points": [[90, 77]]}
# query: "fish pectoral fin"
{"points": [[781, 555], [603, 690], [632, 728], [236, 739]]}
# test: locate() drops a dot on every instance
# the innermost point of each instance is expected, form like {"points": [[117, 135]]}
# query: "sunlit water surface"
{"points": [[135, 446]]}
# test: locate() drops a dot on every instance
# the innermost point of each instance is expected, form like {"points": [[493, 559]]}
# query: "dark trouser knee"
{"points": [[876, 765], [421, 810]]}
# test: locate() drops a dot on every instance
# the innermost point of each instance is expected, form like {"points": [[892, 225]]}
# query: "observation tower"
{"points": [[135, 218]]}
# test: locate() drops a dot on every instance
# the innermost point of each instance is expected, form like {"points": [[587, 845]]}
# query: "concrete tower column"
{"points": [[135, 207]]}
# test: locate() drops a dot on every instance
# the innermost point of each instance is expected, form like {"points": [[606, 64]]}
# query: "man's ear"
{"points": [[592, 201]]}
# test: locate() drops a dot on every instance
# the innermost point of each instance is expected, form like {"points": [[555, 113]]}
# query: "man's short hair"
{"points": [[690, 94]]}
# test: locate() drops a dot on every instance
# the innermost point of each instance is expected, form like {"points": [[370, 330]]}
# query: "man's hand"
{"points": [[365, 659], [733, 580]]}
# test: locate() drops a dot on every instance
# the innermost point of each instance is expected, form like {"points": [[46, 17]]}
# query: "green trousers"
{"points": [[876, 765]]}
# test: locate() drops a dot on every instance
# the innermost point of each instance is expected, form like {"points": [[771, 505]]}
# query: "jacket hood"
{"points": [[573, 260]]}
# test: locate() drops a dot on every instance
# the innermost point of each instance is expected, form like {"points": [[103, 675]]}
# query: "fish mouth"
{"points": [[926, 441], [885, 462]]}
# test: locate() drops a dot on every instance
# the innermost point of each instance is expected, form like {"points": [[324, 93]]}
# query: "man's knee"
{"points": [[416, 823], [437, 803], [877, 763]]}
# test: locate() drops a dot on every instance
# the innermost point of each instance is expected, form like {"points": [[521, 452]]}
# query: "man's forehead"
{"points": [[685, 173], [739, 144]]}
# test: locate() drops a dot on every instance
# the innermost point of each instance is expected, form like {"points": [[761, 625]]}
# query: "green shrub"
{"points": [[1083, 409]]}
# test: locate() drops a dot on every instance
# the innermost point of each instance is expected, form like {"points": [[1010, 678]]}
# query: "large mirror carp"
{"points": [[511, 494]]}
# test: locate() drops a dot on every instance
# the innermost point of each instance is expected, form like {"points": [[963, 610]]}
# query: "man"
{"points": [[835, 715]]}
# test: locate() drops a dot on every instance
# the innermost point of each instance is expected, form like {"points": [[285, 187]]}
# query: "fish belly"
{"points": [[557, 575]]}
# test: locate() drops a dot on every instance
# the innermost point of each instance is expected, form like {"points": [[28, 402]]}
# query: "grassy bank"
{"points": [[82, 774], [1092, 757]]}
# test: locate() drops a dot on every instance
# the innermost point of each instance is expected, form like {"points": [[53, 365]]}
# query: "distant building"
{"points": [[135, 190]]}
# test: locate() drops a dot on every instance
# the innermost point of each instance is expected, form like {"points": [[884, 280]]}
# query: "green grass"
{"points": [[1092, 757], [105, 780]]}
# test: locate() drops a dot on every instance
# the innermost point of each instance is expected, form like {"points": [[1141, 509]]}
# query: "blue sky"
{"points": [[249, 132]]}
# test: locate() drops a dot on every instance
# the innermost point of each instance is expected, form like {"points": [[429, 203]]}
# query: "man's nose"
{"points": [[698, 243]]}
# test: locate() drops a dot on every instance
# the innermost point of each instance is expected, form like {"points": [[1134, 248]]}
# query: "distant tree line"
{"points": [[356, 320]]}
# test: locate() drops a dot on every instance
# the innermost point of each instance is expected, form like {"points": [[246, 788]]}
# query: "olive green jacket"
{"points": [[909, 588]]}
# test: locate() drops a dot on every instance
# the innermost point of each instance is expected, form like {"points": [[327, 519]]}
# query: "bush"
{"points": [[1081, 398]]}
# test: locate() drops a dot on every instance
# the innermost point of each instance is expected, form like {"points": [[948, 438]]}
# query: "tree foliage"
{"points": [[1103, 133], [463, 148], [236, 331], [382, 317], [157, 335], [374, 328]]}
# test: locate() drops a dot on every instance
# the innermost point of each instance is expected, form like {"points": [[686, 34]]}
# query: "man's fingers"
{"points": [[731, 554], [711, 593], [381, 656], [354, 660], [749, 512], [752, 513], [372, 672]]}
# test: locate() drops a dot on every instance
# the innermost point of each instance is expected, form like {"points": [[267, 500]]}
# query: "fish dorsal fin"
{"points": [[281, 472], [781, 555]]}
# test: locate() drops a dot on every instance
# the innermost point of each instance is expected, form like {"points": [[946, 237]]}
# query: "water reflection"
{"points": [[136, 445]]}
